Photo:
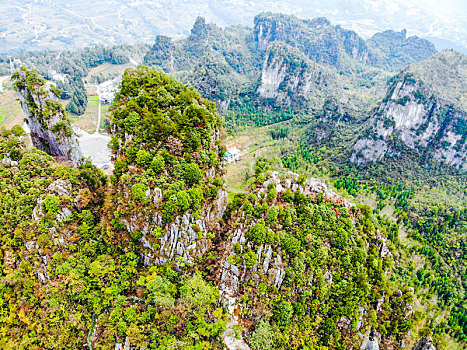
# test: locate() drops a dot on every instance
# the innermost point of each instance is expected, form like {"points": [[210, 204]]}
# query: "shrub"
{"points": [[258, 233], [52, 204], [196, 195], [272, 214], [158, 164], [162, 291], [17, 130], [250, 258], [114, 144], [272, 194], [139, 191], [247, 207], [263, 337], [192, 174], [197, 293], [169, 208], [120, 167], [283, 313], [183, 200], [211, 192], [143, 158], [291, 245]]}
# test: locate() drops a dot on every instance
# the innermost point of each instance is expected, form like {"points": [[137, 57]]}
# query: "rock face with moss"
{"points": [[424, 113], [114, 262], [51, 132], [326, 43], [305, 266], [168, 166]]}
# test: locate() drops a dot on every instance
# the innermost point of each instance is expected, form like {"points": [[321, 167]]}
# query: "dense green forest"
{"points": [[324, 245]]}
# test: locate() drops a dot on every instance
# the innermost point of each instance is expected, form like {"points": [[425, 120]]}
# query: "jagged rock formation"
{"points": [[185, 239], [425, 343], [254, 263], [124, 257], [423, 112], [51, 132], [287, 75], [323, 42], [175, 213], [317, 38], [290, 79], [283, 62], [394, 50]]}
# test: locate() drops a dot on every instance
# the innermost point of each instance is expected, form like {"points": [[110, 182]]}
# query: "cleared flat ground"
{"points": [[10, 108]]}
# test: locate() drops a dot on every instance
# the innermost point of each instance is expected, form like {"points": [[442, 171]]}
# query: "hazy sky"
{"points": [[41, 24]]}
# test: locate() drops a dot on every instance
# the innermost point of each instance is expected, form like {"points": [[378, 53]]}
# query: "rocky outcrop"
{"points": [[371, 342], [395, 50], [319, 40], [287, 75], [323, 42], [271, 260], [183, 240], [424, 343], [291, 79], [415, 116], [50, 132]]}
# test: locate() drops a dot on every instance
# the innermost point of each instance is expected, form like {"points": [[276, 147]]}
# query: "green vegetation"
{"points": [[68, 269], [333, 268], [91, 258]]}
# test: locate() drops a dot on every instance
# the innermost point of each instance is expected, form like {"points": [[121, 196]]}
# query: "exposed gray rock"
{"points": [[267, 258], [63, 214], [60, 187], [380, 303], [127, 344], [424, 343], [37, 213], [381, 242], [6, 161], [50, 131], [420, 117], [371, 341], [328, 277]]}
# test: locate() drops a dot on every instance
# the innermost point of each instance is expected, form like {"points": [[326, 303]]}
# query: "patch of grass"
{"points": [[93, 100], [10, 109]]}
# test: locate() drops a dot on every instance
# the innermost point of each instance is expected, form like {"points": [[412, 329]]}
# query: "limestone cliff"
{"points": [[287, 75], [169, 168], [421, 114], [317, 38], [51, 132], [290, 79], [326, 43]]}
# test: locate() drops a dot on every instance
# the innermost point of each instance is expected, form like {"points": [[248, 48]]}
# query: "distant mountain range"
{"points": [[33, 25]]}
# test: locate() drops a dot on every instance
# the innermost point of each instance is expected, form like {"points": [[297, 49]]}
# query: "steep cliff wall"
{"points": [[169, 166], [290, 79], [422, 115], [51, 132], [287, 75], [323, 42], [317, 38]]}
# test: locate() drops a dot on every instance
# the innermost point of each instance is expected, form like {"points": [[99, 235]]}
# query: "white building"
{"points": [[232, 155]]}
